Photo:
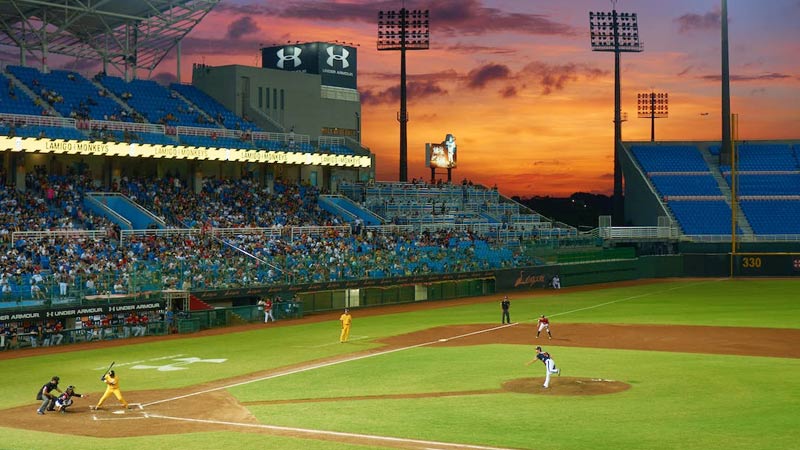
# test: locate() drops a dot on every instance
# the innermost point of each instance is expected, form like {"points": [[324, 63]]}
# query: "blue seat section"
{"points": [[348, 205], [14, 101], [213, 108], [139, 219], [764, 157], [669, 158], [773, 216], [686, 184], [776, 184], [702, 217], [155, 102], [75, 96]]}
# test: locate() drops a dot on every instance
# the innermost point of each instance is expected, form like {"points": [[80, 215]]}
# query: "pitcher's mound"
{"points": [[566, 386]]}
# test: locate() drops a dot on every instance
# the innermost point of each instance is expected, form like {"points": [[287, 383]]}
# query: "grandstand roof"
{"points": [[137, 31]]}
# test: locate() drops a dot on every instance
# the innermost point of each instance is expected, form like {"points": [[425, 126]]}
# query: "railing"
{"points": [[295, 232], [743, 238], [286, 138], [331, 140], [638, 233], [47, 121], [209, 132], [90, 234], [127, 126]]}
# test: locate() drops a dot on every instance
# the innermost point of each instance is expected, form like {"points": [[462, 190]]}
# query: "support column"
{"points": [[178, 57]]}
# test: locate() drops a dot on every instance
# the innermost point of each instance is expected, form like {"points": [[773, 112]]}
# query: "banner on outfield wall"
{"points": [[89, 148], [79, 311], [336, 64], [337, 285], [524, 278]]}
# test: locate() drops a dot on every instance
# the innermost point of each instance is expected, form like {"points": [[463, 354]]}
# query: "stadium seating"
{"points": [[214, 109], [669, 158], [766, 184], [155, 103], [686, 185], [697, 217], [68, 92], [764, 157], [15, 101], [773, 217]]}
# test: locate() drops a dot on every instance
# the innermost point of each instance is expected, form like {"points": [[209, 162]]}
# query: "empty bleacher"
{"points": [[698, 193], [669, 158]]}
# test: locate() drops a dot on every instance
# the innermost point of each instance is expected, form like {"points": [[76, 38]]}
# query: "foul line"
{"points": [[328, 433]]}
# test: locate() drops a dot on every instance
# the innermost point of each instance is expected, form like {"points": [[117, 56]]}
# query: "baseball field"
{"points": [[661, 364]]}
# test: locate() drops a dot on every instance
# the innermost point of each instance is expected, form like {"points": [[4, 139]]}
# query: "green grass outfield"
{"points": [[677, 400]]}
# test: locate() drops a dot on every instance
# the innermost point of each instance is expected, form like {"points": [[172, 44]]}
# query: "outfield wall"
{"points": [[239, 305]]}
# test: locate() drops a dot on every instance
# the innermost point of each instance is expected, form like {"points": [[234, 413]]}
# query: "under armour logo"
{"points": [[342, 57], [294, 56]]}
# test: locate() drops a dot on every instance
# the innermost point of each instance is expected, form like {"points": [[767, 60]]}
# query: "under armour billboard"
{"points": [[335, 63]]}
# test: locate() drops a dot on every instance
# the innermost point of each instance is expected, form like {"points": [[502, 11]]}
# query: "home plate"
{"points": [[118, 412]]}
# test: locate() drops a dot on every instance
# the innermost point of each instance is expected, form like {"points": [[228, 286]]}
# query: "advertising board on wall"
{"points": [[335, 63]]}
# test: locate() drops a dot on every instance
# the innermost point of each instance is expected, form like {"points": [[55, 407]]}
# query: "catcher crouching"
{"points": [[64, 400]]}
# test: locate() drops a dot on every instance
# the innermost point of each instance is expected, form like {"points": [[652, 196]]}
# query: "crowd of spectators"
{"points": [[197, 255]]}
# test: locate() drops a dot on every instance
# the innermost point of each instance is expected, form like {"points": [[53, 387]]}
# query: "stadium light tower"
{"points": [[615, 32], [403, 30], [653, 105]]}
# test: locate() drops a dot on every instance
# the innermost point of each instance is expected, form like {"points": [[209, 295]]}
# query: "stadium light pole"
{"points": [[618, 33], [403, 30], [652, 105], [727, 147]]}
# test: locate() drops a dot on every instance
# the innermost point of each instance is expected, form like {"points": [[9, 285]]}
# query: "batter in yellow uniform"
{"points": [[112, 387], [346, 320]]}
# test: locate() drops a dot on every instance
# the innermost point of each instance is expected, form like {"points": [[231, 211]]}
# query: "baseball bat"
{"points": [[107, 370]]}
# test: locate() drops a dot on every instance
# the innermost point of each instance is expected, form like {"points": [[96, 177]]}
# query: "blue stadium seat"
{"points": [[770, 217], [669, 158], [698, 217], [689, 185]]}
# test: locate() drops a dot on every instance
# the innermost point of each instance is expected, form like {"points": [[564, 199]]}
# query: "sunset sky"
{"points": [[516, 81]]}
